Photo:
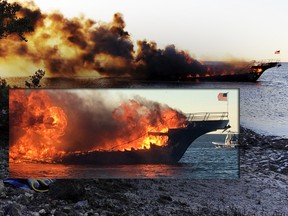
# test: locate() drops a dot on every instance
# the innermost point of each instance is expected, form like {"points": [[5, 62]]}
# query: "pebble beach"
{"points": [[262, 189]]}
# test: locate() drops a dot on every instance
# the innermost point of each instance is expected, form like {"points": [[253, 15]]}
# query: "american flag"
{"points": [[222, 96], [277, 52]]}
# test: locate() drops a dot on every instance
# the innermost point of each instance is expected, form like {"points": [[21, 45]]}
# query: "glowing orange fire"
{"points": [[136, 134], [39, 130], [40, 123]]}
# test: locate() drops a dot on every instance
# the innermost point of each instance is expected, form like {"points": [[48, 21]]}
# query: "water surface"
{"points": [[201, 161]]}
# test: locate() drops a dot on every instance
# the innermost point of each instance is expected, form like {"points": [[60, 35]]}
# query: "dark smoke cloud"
{"points": [[35, 16], [69, 47], [90, 120], [94, 124], [169, 63], [113, 40]]}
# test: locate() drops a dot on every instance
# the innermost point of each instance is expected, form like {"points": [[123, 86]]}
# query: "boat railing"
{"points": [[206, 116], [266, 61]]}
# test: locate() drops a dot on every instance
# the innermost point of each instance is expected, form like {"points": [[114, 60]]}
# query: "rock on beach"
{"points": [[261, 190]]}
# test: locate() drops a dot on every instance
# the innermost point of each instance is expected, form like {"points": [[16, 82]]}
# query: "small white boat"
{"points": [[231, 141]]}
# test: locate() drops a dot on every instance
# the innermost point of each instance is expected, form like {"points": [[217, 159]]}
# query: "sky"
{"points": [[185, 100], [207, 29]]}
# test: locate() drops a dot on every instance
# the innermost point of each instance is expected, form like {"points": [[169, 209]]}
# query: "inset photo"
{"points": [[124, 133]]}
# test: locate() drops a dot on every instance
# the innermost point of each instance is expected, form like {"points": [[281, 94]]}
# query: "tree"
{"points": [[10, 23], [35, 79]]}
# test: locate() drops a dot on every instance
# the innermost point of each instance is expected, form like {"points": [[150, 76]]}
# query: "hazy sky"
{"points": [[208, 29], [185, 100]]}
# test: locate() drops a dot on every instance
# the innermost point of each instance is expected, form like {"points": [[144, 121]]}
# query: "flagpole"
{"points": [[277, 52], [224, 97], [227, 104]]}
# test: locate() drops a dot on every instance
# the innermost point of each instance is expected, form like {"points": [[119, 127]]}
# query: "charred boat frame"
{"points": [[179, 139], [251, 73]]}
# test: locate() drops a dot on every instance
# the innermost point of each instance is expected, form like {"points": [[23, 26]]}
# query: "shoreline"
{"points": [[271, 132], [261, 190]]}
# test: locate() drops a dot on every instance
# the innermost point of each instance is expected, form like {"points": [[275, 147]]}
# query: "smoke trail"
{"points": [[65, 47], [81, 46], [77, 46], [169, 63]]}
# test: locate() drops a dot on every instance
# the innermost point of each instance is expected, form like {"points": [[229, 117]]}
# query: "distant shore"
{"points": [[261, 190]]}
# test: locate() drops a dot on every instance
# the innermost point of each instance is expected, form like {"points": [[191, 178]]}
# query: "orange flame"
{"points": [[39, 129], [41, 125], [136, 134]]}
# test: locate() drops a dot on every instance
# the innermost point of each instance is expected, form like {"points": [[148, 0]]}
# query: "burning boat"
{"points": [[179, 139], [44, 129], [251, 73]]}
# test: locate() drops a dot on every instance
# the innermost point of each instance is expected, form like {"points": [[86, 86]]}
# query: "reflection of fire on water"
{"points": [[45, 125]]}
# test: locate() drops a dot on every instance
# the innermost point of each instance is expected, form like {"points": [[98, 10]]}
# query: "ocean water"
{"points": [[263, 105], [201, 161]]}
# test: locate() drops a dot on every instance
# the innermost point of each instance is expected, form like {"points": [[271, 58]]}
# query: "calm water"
{"points": [[263, 105], [201, 161]]}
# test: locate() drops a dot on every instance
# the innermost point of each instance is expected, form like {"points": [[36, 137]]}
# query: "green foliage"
{"points": [[34, 81], [10, 23]]}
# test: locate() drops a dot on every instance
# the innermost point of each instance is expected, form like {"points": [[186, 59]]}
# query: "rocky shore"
{"points": [[261, 190]]}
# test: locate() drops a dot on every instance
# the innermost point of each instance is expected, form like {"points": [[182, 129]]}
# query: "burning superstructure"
{"points": [[225, 73], [179, 139]]}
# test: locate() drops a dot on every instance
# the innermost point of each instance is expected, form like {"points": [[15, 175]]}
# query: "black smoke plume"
{"points": [[80, 46], [77, 46], [94, 123]]}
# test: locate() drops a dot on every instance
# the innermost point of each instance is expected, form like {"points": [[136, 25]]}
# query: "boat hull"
{"points": [[252, 75], [179, 139]]}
